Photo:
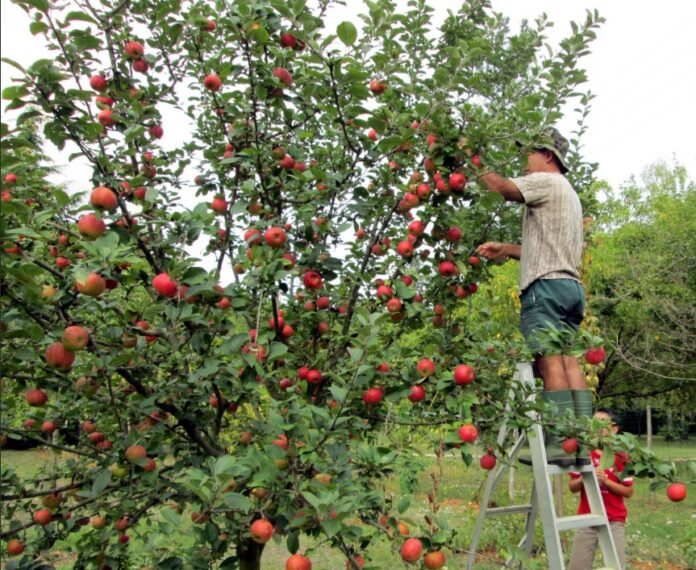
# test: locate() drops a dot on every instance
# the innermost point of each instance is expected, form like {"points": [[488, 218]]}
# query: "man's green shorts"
{"points": [[556, 303]]}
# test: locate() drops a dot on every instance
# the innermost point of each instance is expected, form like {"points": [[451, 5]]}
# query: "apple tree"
{"points": [[210, 325]]}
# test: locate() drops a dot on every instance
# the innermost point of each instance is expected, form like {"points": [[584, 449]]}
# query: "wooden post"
{"points": [[649, 427], [511, 483]]}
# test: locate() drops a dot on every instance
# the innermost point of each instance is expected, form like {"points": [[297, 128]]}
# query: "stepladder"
{"points": [[541, 504]]}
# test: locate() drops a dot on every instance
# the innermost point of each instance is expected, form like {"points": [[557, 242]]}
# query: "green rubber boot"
{"points": [[582, 400], [563, 399]]}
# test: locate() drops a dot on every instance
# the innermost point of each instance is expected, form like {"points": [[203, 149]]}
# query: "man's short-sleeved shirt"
{"points": [[614, 504], [551, 228]]}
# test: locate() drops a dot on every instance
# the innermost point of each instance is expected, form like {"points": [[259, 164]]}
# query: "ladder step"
{"points": [[556, 470], [509, 510], [580, 521]]}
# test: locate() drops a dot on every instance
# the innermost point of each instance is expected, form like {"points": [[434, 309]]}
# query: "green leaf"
{"points": [[403, 504], [81, 16], [101, 482], [13, 63], [293, 542], [171, 516], [278, 349], [347, 33], [237, 501], [37, 28], [41, 5], [223, 464]]}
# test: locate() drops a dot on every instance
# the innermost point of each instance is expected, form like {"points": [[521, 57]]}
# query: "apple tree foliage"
{"points": [[254, 170]]}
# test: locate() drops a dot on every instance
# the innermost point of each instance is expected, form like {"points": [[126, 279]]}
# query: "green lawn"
{"points": [[656, 531]]}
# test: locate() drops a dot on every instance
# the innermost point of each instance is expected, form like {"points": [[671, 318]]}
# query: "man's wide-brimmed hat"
{"points": [[555, 142]]}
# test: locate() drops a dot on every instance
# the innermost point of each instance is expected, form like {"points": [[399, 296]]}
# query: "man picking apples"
{"points": [[550, 253]]}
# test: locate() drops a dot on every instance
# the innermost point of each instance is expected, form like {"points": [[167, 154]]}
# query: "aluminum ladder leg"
{"points": [[542, 502]]}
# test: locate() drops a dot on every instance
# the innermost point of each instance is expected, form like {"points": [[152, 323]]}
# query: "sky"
{"points": [[642, 70]]}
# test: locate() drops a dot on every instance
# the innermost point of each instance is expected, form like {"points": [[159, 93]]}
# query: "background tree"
{"points": [[642, 284], [255, 404]]}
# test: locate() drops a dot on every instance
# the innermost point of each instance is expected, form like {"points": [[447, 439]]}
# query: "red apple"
{"points": [[676, 492], [463, 375], [416, 394], [447, 269], [105, 118], [405, 249], [287, 162], [96, 437], [48, 427], [377, 87], [156, 131], [261, 531], [283, 75], [75, 338], [595, 355], [97, 82], [372, 135], [454, 235], [218, 205], [411, 550], [134, 50], [457, 181], [104, 100], [425, 367], [93, 286], [165, 285], [468, 433], [212, 82], [275, 237], [373, 396], [394, 305], [42, 517], [313, 376], [57, 356], [487, 461], [298, 562], [384, 292], [103, 198], [90, 226], [36, 397], [135, 453], [434, 560], [14, 547], [141, 66], [570, 446], [416, 228], [312, 280], [287, 40], [355, 561]]}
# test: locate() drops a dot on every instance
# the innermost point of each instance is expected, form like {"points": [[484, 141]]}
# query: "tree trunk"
{"points": [[511, 483], [249, 554], [649, 426]]}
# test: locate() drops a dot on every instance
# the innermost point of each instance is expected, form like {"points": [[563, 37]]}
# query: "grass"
{"points": [[656, 531]]}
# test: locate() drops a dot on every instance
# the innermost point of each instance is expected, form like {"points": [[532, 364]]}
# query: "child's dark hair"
{"points": [[610, 413]]}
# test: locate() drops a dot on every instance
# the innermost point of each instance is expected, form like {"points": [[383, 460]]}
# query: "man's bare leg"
{"points": [[553, 372], [573, 373]]}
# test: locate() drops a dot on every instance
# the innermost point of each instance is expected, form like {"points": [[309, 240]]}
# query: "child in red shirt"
{"points": [[615, 487]]}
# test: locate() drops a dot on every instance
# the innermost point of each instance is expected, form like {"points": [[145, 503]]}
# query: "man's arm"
{"points": [[494, 250], [503, 186]]}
